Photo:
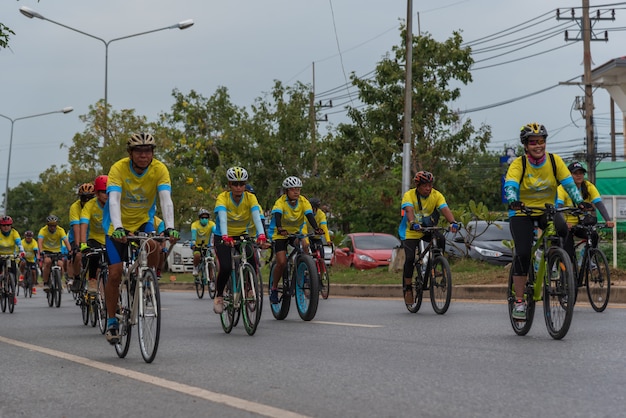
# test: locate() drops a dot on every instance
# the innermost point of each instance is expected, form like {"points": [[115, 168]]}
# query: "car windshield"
{"points": [[493, 233], [375, 242]]}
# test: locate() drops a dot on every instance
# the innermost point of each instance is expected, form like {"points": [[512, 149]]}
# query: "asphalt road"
{"points": [[359, 357]]}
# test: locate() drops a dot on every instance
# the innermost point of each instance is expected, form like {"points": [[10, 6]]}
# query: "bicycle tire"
{"points": [[58, 289], [123, 317], [521, 327], [11, 293], [227, 317], [598, 279], [252, 299], [322, 272], [558, 293], [84, 307], [199, 289], [440, 285], [93, 307], [306, 287], [280, 310], [211, 272], [3, 296], [50, 293], [417, 285], [17, 289], [149, 315], [100, 301]]}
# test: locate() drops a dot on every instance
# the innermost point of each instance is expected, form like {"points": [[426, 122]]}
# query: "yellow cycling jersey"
{"points": [[138, 193], [30, 250], [434, 201], [201, 235], [91, 215], [564, 199], [9, 242], [75, 211], [293, 218], [238, 216], [52, 241], [322, 222]]}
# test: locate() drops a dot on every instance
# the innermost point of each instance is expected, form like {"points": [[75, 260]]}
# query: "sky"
{"points": [[246, 45]]}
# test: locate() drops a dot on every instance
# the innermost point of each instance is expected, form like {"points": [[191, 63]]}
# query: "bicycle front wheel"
{"points": [[58, 287], [598, 279], [200, 281], [84, 307], [252, 299], [123, 317], [521, 327], [227, 317], [101, 309], [440, 285], [149, 316], [307, 291], [558, 293], [324, 279], [11, 292], [50, 294], [211, 275]]}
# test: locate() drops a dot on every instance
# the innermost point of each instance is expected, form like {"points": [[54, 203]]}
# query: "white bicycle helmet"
{"points": [[292, 181], [237, 174], [139, 139]]}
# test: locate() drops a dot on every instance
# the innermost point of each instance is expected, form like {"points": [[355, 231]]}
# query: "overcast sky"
{"points": [[245, 45]]}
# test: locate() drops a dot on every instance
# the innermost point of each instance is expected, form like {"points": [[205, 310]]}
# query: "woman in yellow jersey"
{"points": [[234, 210], [28, 264], [201, 231], [49, 240], [91, 233]]}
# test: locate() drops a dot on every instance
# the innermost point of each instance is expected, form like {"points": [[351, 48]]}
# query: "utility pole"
{"points": [[587, 37], [408, 98]]}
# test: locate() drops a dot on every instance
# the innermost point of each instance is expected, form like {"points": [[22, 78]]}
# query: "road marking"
{"points": [[227, 400], [347, 324]]}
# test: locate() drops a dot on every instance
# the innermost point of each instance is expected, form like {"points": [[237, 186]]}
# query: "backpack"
{"points": [[432, 219], [524, 169]]}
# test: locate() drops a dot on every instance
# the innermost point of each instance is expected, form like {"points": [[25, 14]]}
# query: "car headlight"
{"points": [[366, 258], [488, 253]]}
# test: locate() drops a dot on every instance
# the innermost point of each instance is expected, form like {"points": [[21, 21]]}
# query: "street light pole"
{"points": [[6, 189], [30, 13]]}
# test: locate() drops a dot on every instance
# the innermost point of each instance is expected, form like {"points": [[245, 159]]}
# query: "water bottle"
{"points": [[537, 262]]}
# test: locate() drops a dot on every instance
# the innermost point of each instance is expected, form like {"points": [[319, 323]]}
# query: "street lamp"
{"points": [[6, 193], [30, 13]]}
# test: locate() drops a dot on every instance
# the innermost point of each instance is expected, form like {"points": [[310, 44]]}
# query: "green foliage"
{"points": [[5, 34]]}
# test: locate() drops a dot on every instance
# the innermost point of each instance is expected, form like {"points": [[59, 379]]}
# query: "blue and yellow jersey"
{"points": [[138, 193], [75, 211], [434, 201], [201, 235], [91, 215], [564, 199], [159, 225], [238, 215], [252, 228], [539, 186], [322, 222], [30, 250], [9, 242], [51, 241], [293, 218]]}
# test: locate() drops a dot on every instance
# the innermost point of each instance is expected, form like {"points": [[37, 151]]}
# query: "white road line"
{"points": [[347, 324], [230, 401]]}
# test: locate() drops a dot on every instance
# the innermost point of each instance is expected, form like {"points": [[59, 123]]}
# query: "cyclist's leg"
{"points": [[112, 288], [222, 253], [280, 252], [47, 263], [409, 246], [522, 230]]}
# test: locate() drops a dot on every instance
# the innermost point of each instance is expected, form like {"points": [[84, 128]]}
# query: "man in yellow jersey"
{"points": [[134, 182], [201, 230], [28, 264], [9, 241], [91, 232], [235, 209], [85, 194], [289, 214], [322, 222], [49, 240]]}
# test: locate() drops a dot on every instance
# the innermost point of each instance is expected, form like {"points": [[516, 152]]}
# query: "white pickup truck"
{"points": [[179, 258]]}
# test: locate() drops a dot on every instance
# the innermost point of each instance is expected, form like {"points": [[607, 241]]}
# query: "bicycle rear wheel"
{"points": [[84, 307], [252, 304], [306, 286], [58, 287], [123, 316], [598, 279], [200, 281], [521, 327], [440, 284], [324, 278], [3, 295], [11, 292], [50, 294], [149, 315], [558, 293], [227, 317], [417, 285], [102, 308], [280, 309]]}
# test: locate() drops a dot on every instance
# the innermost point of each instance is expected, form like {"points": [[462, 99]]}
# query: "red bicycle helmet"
{"points": [[6, 220], [424, 177]]}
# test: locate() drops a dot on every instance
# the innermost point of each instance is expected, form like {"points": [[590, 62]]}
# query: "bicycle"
{"points": [[433, 274], [550, 278], [208, 273], [244, 291], [27, 281], [140, 299], [593, 269], [7, 283], [55, 284], [91, 304], [317, 251], [299, 280]]}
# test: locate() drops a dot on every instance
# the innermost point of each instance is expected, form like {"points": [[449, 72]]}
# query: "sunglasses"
{"points": [[238, 183], [537, 141]]}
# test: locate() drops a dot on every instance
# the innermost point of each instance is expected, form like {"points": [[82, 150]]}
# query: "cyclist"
{"points": [[590, 194], [49, 240], [9, 241], [289, 215], [532, 180], [133, 185], [28, 264], [421, 206], [234, 210], [85, 193], [201, 231], [322, 222], [91, 233]]}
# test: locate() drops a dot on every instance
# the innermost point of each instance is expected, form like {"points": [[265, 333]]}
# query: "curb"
{"points": [[478, 292]]}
